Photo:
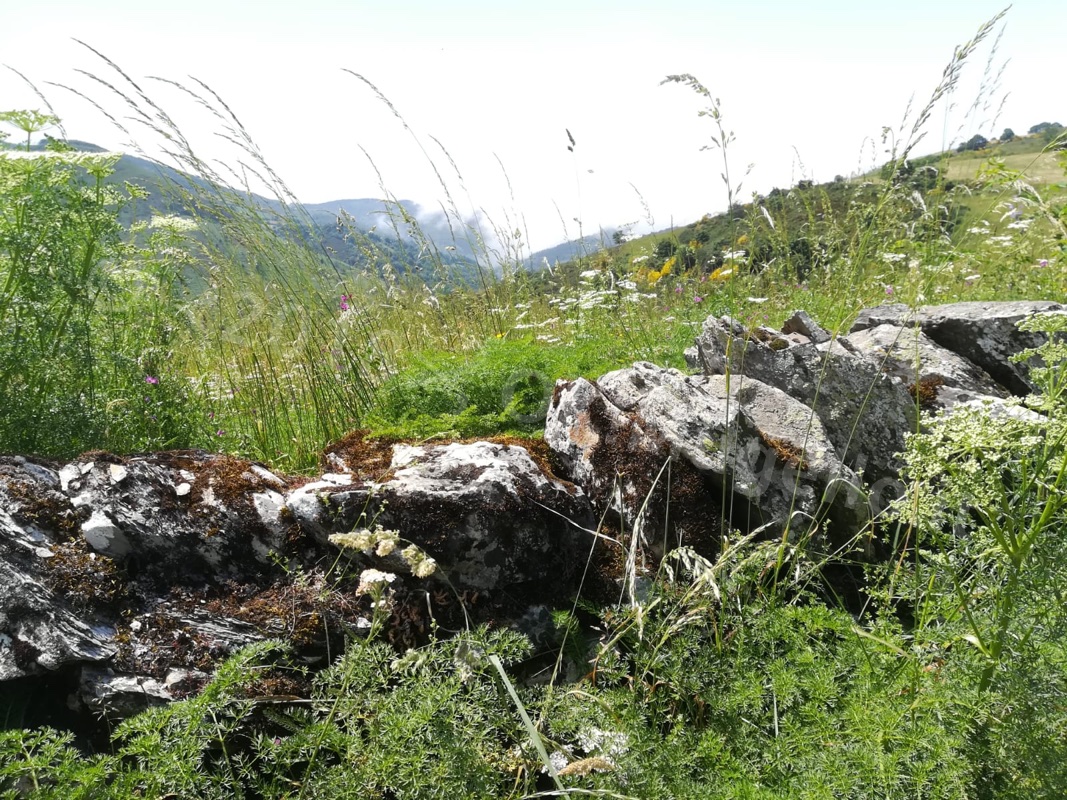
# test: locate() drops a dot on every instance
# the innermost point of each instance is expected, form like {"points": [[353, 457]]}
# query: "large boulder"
{"points": [[984, 333], [864, 411], [132, 577], [935, 376], [677, 456], [487, 512]]}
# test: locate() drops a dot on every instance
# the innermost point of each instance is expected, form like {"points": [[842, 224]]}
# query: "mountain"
{"points": [[356, 232]]}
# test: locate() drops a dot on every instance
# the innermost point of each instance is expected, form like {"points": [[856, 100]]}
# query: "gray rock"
{"points": [[984, 333], [940, 377], [864, 411], [106, 565], [487, 513], [740, 452], [802, 323]]}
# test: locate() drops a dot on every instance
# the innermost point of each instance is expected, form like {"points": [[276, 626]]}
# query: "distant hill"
{"points": [[363, 233], [568, 251]]}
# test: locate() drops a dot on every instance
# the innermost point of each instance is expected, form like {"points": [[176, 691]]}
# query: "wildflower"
{"points": [[174, 223], [422, 565], [371, 580], [360, 539], [344, 302], [151, 379], [888, 290], [220, 432], [698, 299], [425, 568], [386, 546], [1043, 262], [677, 289]]}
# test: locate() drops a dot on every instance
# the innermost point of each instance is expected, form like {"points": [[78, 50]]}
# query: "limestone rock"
{"points": [[487, 513], [739, 451], [864, 411], [135, 588], [984, 333], [938, 376]]}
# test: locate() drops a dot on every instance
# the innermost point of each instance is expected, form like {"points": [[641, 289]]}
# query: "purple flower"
{"points": [[150, 379], [889, 291], [220, 432], [344, 302], [698, 299], [1043, 262], [677, 289]]}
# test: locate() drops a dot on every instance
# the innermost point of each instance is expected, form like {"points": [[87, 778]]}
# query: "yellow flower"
{"points": [[666, 268], [722, 273]]}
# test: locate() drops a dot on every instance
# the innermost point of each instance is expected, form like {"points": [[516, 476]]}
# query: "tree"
{"points": [[1041, 127], [976, 142], [1008, 135]]}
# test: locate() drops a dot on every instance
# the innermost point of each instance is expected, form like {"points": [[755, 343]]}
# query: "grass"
{"points": [[738, 673]]}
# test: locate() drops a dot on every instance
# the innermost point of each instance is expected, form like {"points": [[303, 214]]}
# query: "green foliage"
{"points": [[976, 142], [986, 512], [80, 334]]}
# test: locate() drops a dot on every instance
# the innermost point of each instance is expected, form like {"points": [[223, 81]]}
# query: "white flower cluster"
{"points": [[173, 223], [381, 543]]}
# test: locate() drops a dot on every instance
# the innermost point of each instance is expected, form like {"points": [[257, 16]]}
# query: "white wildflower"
{"points": [[422, 565], [608, 744], [425, 568], [373, 580], [173, 223], [361, 539]]}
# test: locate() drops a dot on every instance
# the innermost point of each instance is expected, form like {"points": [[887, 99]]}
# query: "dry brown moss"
{"points": [[786, 452], [87, 580], [924, 391]]}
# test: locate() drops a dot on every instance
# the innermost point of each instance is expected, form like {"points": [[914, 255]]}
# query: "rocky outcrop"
{"points": [[864, 411], [126, 579], [933, 375], [986, 334], [141, 573], [741, 454], [488, 514]]}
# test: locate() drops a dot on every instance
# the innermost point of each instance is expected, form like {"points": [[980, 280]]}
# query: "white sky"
{"points": [[806, 87]]}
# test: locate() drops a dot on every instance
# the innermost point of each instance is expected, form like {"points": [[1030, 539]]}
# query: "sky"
{"points": [[480, 95]]}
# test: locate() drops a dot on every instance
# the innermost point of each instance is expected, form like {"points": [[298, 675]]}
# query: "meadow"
{"points": [[740, 673]]}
